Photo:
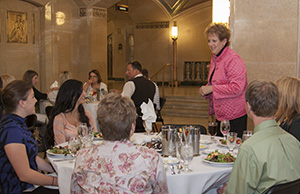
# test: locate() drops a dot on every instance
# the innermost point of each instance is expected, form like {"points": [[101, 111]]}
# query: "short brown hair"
{"points": [[220, 30], [115, 115], [263, 98]]}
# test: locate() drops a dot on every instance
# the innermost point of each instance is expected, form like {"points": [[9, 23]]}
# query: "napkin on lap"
{"points": [[149, 115]]}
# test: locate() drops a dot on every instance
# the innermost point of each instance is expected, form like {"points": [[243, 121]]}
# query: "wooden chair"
{"points": [[159, 118]]}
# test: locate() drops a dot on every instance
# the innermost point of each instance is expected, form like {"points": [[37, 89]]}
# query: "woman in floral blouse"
{"points": [[118, 166]]}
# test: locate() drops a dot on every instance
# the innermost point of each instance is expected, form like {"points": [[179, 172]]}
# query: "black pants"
{"points": [[139, 128], [236, 125]]}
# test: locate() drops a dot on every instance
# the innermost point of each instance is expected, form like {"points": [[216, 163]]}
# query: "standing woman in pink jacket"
{"points": [[227, 80]]}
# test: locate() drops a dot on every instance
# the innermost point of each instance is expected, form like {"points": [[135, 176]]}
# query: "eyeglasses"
{"points": [[93, 76]]}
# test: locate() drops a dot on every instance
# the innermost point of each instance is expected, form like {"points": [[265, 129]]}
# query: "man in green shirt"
{"points": [[271, 156]]}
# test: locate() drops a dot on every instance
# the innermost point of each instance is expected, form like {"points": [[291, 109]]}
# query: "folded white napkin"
{"points": [[54, 85], [149, 115], [140, 138]]}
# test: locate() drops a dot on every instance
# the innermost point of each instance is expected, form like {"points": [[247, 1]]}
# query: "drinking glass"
{"points": [[225, 128], [212, 129], [187, 154], [231, 140], [73, 146], [85, 135], [148, 128], [246, 135]]}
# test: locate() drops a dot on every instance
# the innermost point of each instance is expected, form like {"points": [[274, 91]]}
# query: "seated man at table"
{"points": [[271, 156], [118, 166], [139, 89]]}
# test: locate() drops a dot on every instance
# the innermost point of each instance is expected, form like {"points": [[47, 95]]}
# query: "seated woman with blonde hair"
{"points": [[117, 165], [6, 79], [68, 112], [288, 113], [19, 162]]}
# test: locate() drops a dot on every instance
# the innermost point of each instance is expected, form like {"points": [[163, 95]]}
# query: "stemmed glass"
{"points": [[212, 129], [231, 140], [85, 135], [148, 128], [73, 146], [187, 154], [225, 128], [246, 135]]}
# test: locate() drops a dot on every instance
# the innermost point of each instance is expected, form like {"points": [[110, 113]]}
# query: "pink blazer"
{"points": [[229, 84]]}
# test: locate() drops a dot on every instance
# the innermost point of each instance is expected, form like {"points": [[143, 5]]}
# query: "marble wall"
{"points": [[59, 39], [265, 35]]}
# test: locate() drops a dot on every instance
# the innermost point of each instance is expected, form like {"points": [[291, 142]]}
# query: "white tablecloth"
{"points": [[204, 178], [93, 107]]}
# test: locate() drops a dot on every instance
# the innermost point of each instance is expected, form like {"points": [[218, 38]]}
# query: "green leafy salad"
{"points": [[216, 156]]}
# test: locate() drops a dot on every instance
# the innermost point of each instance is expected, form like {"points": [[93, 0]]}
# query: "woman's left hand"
{"points": [[204, 90]]}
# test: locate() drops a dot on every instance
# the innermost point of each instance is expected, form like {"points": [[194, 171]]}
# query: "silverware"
{"points": [[67, 159], [179, 167], [172, 169]]}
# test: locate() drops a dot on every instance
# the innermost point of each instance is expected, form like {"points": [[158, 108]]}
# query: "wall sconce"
{"points": [[60, 18], [221, 11], [174, 32]]}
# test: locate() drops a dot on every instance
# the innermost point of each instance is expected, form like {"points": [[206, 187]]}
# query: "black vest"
{"points": [[144, 89]]}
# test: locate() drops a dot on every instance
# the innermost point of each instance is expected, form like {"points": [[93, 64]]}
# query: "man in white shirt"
{"points": [[139, 89]]}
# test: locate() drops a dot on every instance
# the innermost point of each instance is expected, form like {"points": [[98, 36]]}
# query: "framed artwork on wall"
{"points": [[16, 27]]}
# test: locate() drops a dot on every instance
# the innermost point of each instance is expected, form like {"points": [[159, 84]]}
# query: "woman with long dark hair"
{"points": [[68, 112], [19, 162]]}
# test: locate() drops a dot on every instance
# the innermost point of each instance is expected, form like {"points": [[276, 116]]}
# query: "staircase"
{"points": [[185, 106]]}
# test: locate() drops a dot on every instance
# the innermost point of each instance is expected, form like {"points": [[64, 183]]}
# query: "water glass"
{"points": [[85, 135], [225, 128], [186, 154], [231, 140], [246, 135], [73, 146], [148, 127]]}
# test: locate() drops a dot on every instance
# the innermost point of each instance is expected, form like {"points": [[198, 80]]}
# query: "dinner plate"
{"points": [[225, 164], [203, 147], [98, 138], [170, 160], [206, 142], [58, 155], [207, 151]]}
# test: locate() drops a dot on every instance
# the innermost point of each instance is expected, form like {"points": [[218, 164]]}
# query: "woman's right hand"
{"points": [[204, 90]]}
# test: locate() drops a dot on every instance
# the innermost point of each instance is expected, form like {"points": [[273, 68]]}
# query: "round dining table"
{"points": [[204, 178]]}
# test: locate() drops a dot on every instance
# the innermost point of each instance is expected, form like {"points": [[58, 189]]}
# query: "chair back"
{"points": [[162, 102], [284, 188], [48, 110]]}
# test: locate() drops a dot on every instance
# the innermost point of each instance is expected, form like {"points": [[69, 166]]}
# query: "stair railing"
{"points": [[162, 71]]}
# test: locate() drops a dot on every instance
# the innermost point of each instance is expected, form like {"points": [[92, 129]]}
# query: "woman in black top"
{"points": [[31, 77], [288, 113]]}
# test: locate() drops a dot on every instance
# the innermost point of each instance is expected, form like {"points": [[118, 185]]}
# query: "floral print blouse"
{"points": [[119, 167]]}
